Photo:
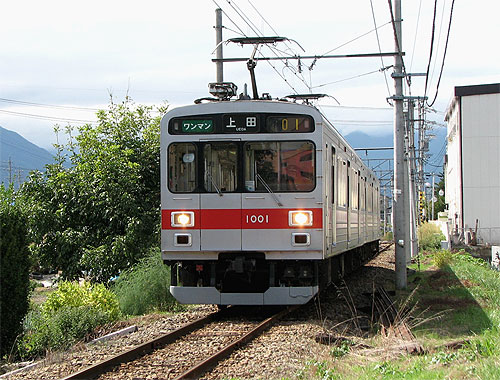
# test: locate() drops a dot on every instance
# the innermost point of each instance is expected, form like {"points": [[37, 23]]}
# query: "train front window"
{"points": [[279, 166], [182, 168], [221, 167]]}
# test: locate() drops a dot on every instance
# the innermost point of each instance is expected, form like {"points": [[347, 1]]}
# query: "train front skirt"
{"points": [[294, 295]]}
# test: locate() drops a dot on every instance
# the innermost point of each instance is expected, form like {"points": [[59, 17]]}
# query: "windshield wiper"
{"points": [[214, 184], [259, 177]]}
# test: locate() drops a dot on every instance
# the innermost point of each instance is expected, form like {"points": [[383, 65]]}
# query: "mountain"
{"points": [[18, 157], [435, 155]]}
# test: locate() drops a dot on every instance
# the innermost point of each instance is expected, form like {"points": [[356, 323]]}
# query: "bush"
{"points": [[58, 330], [14, 269], [442, 258], [72, 294], [146, 287], [429, 237]]}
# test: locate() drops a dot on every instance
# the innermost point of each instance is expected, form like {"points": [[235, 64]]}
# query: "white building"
{"points": [[472, 172]]}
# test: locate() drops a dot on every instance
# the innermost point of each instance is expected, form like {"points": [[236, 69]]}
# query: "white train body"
{"points": [[263, 202]]}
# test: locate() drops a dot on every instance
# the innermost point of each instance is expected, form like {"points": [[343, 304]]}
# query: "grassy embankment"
{"points": [[459, 302]]}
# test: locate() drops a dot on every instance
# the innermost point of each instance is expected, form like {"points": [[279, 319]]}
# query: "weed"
{"points": [[444, 358], [59, 330], [429, 237], [341, 350], [442, 258], [145, 287]]}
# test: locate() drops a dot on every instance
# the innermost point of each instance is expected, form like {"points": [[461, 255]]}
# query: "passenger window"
{"points": [[182, 168]]}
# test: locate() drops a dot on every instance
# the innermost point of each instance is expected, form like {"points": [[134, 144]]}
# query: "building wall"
{"points": [[453, 172], [480, 115]]}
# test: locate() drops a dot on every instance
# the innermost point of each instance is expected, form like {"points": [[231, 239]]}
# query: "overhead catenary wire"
{"points": [[444, 55], [379, 48]]}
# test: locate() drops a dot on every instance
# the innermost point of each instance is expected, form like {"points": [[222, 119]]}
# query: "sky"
{"points": [[60, 61]]}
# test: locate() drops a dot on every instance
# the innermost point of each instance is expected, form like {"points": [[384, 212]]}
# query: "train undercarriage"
{"points": [[248, 278]]}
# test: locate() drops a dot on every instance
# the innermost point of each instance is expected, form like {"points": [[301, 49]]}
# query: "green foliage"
{"points": [[429, 237], [342, 349], [14, 268], [74, 295], [96, 210], [58, 330], [442, 258], [317, 370], [145, 287], [388, 236]]}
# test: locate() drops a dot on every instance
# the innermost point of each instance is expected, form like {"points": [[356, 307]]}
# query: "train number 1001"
{"points": [[257, 219]]}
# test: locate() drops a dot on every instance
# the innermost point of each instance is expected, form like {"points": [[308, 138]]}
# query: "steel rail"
{"points": [[209, 363], [142, 349]]}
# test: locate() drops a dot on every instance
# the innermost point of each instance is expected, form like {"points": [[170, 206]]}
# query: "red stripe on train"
{"points": [[227, 219]]}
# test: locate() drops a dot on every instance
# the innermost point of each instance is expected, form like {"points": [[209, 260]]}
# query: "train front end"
{"points": [[242, 207]]}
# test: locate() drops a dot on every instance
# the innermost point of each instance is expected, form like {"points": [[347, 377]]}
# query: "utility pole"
{"points": [[218, 42], [412, 178], [432, 195], [400, 201]]}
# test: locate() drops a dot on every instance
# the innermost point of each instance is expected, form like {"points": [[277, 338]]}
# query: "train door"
{"points": [[354, 207], [362, 209], [221, 203], [333, 186], [341, 221]]}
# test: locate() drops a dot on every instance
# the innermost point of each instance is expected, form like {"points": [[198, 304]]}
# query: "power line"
{"points": [[47, 105], [350, 78], [51, 118], [416, 34], [444, 55], [379, 49], [431, 47], [354, 39]]}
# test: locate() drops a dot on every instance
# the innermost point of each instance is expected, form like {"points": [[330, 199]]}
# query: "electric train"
{"points": [[263, 202]]}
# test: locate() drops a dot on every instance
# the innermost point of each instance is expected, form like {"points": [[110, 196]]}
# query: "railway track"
{"points": [[187, 352]]}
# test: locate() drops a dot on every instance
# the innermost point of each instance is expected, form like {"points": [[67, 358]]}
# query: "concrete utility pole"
{"points": [[412, 177], [218, 42], [400, 202]]}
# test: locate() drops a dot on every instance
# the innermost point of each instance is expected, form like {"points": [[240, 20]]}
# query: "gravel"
{"points": [[280, 352]]}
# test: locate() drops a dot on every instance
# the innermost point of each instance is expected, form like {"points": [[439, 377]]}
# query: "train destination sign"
{"points": [[235, 123], [240, 123]]}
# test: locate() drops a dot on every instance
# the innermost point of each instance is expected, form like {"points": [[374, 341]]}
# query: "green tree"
{"points": [[14, 268], [97, 208]]}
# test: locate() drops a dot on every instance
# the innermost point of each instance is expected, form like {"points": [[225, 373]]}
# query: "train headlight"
{"points": [[300, 218], [182, 219]]}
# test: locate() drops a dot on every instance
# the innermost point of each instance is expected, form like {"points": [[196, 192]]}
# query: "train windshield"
{"points": [[213, 167]]}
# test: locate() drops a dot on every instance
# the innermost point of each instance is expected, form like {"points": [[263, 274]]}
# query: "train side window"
{"points": [[342, 188], [334, 184], [182, 159], [354, 190]]}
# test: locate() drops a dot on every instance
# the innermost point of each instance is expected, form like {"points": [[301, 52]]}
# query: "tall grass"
{"points": [[145, 287], [429, 237]]}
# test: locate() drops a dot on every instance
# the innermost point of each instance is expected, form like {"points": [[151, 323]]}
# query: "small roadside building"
{"points": [[472, 163]]}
